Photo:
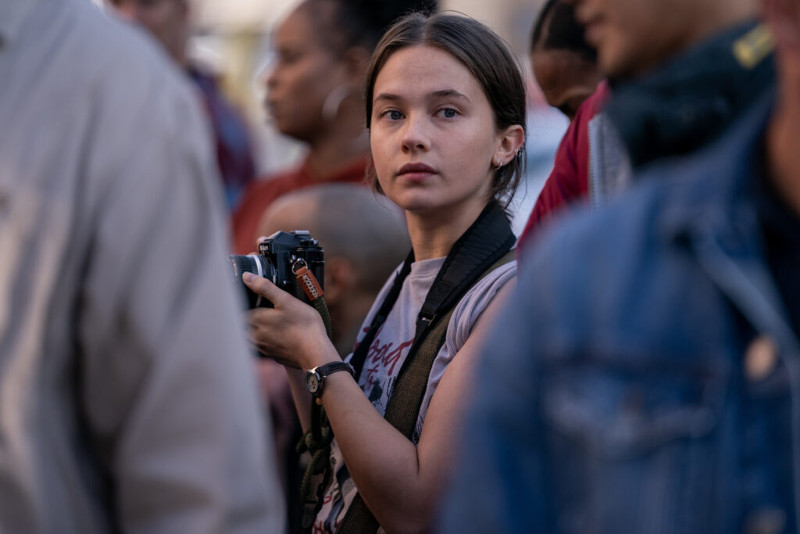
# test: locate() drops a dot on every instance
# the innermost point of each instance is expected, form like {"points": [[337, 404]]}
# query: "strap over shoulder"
{"points": [[481, 249], [484, 242]]}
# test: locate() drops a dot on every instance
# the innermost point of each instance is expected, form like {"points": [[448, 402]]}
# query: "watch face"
{"points": [[312, 381]]}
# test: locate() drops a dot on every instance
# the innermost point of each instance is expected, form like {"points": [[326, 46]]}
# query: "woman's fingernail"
{"points": [[247, 277]]}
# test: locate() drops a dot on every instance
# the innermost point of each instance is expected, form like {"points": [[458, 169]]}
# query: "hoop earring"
{"points": [[330, 108]]}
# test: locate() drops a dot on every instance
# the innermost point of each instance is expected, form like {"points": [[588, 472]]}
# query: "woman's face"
{"points": [[432, 134], [303, 76]]}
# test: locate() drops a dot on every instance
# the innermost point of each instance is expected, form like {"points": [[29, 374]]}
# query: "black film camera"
{"points": [[278, 258]]}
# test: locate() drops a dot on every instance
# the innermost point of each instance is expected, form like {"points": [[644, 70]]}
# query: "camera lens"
{"points": [[259, 266]]}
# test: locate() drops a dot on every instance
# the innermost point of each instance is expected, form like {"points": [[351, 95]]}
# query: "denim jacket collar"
{"points": [[712, 209], [714, 185], [692, 99]]}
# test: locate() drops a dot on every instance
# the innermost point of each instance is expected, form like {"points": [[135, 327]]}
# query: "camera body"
{"points": [[278, 259]]}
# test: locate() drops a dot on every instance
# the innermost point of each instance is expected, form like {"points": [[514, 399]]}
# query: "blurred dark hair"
{"points": [[556, 29], [484, 54], [361, 22]]}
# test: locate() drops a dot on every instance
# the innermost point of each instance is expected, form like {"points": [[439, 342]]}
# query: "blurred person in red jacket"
{"points": [[677, 82]]}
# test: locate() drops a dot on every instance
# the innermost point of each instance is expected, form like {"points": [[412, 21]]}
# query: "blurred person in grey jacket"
{"points": [[127, 397]]}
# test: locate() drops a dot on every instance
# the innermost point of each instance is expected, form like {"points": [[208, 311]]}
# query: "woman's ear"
{"points": [[511, 141]]}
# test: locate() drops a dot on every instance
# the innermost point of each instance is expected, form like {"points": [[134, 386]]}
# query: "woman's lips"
{"points": [[415, 171]]}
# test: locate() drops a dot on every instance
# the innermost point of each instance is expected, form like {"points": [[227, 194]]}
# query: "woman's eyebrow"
{"points": [[440, 93], [389, 97], [450, 93]]}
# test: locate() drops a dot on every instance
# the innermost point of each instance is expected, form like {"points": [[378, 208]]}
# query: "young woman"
{"points": [[445, 104]]}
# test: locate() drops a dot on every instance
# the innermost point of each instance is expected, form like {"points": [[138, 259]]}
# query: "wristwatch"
{"points": [[315, 377]]}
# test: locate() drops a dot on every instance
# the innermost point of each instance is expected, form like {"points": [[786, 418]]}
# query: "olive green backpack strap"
{"points": [[406, 400]]}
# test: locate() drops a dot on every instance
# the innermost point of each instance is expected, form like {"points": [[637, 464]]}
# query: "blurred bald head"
{"points": [[364, 237], [349, 221]]}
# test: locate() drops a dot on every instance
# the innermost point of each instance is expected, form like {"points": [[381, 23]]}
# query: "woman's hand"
{"points": [[292, 332]]}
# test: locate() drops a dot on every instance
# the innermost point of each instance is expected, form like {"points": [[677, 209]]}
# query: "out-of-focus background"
{"points": [[233, 39]]}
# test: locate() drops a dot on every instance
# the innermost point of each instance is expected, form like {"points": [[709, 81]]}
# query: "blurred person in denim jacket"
{"points": [[662, 394]]}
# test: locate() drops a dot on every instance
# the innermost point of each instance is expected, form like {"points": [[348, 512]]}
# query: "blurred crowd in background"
{"points": [[234, 41], [614, 349], [233, 38]]}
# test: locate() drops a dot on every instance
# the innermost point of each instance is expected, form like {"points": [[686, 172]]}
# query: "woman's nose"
{"points": [[415, 136]]}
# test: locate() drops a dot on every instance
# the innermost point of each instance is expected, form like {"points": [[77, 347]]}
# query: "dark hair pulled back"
{"points": [[557, 29], [484, 54]]}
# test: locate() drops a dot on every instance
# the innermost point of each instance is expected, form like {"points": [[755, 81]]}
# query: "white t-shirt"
{"points": [[388, 352]]}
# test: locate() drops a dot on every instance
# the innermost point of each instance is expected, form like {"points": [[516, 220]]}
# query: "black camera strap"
{"points": [[486, 245], [486, 241]]}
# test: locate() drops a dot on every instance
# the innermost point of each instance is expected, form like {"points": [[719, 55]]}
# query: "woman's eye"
{"points": [[393, 115], [448, 113]]}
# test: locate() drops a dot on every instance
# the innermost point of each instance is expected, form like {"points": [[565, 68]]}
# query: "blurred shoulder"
{"points": [[102, 57]]}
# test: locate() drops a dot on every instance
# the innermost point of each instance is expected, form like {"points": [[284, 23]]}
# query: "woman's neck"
{"points": [[434, 232]]}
